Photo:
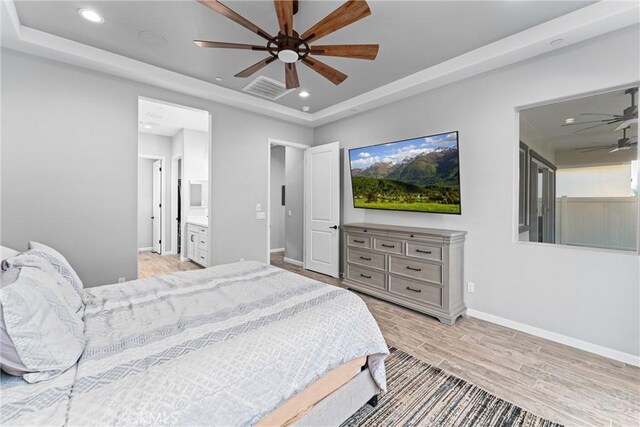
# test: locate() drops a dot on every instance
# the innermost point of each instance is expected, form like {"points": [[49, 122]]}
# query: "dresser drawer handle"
{"points": [[422, 251], [365, 258], [388, 246], [413, 268], [202, 241], [365, 276], [409, 288], [358, 241]]}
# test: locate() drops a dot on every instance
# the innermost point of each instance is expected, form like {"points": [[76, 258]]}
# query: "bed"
{"points": [[238, 344]]}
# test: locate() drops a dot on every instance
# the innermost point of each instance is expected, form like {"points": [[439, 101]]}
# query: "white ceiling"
{"points": [[413, 36], [544, 124], [165, 119]]}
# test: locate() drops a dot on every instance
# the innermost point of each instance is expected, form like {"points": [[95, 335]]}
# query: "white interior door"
{"points": [[322, 209], [156, 233]]}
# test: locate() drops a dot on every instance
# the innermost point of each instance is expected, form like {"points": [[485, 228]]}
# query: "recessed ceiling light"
{"points": [[147, 126], [556, 42], [218, 79], [569, 121], [306, 108], [304, 94], [91, 15]]}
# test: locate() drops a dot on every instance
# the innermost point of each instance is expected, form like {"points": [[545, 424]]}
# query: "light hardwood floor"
{"points": [[151, 264], [552, 380]]}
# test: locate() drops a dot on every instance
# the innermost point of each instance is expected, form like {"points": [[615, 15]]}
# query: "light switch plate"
{"points": [[258, 207], [261, 215], [289, 212]]}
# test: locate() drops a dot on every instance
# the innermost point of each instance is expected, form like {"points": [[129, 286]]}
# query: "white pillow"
{"points": [[30, 259], [43, 331], [6, 252], [59, 262]]}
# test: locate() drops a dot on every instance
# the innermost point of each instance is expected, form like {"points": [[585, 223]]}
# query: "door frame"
{"points": [[174, 202], [271, 142], [163, 162]]}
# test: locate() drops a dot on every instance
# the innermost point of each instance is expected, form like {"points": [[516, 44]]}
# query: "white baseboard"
{"points": [[169, 253], [559, 338], [293, 261], [277, 250], [145, 249]]}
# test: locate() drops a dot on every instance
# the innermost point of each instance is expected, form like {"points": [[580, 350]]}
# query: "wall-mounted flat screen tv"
{"points": [[418, 174]]}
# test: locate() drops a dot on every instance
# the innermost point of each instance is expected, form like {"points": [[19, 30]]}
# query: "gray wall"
{"points": [[294, 226], [159, 145], [590, 295], [145, 198], [277, 210], [69, 164]]}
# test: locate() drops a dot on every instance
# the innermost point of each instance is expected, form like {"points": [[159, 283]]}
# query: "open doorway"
{"points": [[286, 203], [173, 174], [151, 195]]}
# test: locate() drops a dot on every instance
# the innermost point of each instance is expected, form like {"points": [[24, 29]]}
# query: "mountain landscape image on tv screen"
{"points": [[419, 174]]}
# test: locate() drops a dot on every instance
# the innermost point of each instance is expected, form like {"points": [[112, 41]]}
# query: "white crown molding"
{"points": [[28, 40], [591, 21]]}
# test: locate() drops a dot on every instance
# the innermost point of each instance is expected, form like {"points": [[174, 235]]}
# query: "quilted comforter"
{"points": [[221, 346]]}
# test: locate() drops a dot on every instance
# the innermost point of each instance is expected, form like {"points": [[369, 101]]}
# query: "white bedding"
{"points": [[220, 346]]}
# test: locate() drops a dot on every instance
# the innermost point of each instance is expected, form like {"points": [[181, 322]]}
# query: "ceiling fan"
{"points": [[624, 143], [290, 47], [629, 115]]}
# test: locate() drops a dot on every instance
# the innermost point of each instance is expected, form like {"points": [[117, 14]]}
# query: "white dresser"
{"points": [[198, 244], [419, 268]]}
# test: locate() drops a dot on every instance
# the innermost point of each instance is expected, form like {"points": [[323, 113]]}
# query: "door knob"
{"points": [[335, 227]]}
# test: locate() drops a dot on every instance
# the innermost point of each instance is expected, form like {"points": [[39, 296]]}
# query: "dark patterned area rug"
{"points": [[422, 395]]}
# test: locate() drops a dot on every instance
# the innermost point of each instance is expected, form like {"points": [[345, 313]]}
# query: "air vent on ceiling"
{"points": [[267, 88]]}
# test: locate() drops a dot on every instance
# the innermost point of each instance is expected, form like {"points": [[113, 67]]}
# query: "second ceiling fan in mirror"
{"points": [[291, 47]]}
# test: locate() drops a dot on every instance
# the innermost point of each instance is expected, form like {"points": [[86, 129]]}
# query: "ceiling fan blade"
{"points": [[588, 150], [224, 45], [591, 127], [255, 67], [216, 6], [357, 51], [291, 76], [348, 13], [284, 12], [330, 73], [625, 124], [599, 114]]}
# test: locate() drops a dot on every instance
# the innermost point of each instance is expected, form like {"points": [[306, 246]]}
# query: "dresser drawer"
{"points": [[203, 259], [416, 250], [368, 259], [416, 269], [193, 228], [390, 246], [368, 277], [358, 241], [202, 243], [419, 292]]}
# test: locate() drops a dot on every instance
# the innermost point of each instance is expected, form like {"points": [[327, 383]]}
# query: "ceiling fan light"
{"points": [[288, 56]]}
